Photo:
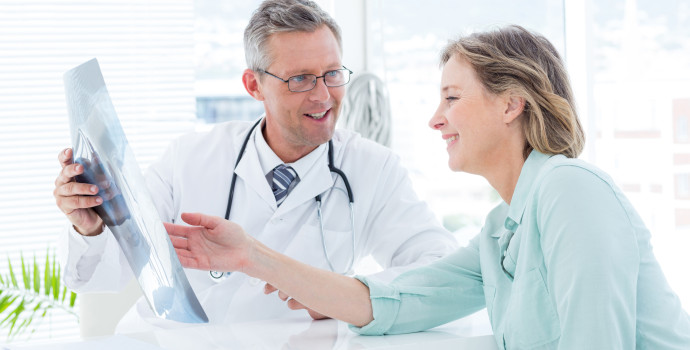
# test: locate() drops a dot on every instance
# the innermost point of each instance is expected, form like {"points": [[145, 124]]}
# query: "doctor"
{"points": [[327, 198]]}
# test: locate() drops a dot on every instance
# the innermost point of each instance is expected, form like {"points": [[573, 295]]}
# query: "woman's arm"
{"points": [[212, 243]]}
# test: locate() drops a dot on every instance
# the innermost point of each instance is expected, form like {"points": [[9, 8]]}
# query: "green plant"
{"points": [[39, 294]]}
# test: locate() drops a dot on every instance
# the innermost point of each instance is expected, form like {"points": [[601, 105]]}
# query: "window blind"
{"points": [[145, 49]]}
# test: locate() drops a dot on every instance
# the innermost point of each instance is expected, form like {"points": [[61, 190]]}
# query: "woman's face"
{"points": [[470, 119]]}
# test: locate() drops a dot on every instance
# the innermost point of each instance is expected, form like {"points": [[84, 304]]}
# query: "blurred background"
{"points": [[174, 66]]}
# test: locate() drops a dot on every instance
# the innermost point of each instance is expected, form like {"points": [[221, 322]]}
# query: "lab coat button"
{"points": [[254, 281]]}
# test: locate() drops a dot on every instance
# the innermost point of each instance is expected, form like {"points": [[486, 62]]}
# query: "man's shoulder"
{"points": [[351, 144], [218, 135]]}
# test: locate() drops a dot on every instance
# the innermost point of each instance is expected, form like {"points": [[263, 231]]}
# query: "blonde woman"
{"points": [[564, 262]]}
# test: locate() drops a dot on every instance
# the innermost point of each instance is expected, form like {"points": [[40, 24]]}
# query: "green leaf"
{"points": [[5, 302], [14, 315], [24, 324], [55, 281], [12, 322], [22, 306], [48, 283], [37, 277], [26, 273], [14, 279]]}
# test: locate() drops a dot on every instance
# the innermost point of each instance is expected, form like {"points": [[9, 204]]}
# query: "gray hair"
{"points": [[276, 16]]}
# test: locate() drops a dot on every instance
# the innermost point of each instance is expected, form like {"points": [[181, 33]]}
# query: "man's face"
{"points": [[298, 122]]}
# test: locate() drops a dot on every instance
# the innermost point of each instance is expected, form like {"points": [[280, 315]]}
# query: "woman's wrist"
{"points": [[256, 253]]}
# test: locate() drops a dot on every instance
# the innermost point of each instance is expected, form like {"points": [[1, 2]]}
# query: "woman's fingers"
{"points": [[180, 230], [198, 219], [179, 242]]}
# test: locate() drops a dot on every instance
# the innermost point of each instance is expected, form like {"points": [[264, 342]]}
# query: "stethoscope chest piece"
{"points": [[216, 275]]}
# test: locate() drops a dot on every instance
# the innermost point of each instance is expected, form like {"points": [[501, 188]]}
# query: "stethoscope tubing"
{"points": [[216, 275]]}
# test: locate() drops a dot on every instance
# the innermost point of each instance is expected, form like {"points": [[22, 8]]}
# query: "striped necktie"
{"points": [[282, 178]]}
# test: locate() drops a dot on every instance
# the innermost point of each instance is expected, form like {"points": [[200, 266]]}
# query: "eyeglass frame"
{"points": [[315, 78]]}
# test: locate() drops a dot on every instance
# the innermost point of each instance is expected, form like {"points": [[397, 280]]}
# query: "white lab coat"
{"points": [[392, 224]]}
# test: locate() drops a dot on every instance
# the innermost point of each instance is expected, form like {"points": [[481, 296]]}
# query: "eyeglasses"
{"points": [[306, 82]]}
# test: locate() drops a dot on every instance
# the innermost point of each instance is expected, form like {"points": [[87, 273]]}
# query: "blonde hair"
{"points": [[512, 59]]}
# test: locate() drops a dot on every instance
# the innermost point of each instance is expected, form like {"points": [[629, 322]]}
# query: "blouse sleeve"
{"points": [[428, 296]]}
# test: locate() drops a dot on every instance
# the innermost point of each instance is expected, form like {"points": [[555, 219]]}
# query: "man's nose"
{"points": [[320, 91]]}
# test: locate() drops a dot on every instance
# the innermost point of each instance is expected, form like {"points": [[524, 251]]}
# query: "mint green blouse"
{"points": [[567, 265]]}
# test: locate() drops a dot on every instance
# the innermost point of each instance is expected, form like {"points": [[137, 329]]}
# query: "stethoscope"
{"points": [[216, 275]]}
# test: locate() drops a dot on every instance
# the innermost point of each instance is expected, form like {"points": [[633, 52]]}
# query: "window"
{"points": [[219, 50], [682, 186], [638, 70], [682, 128], [145, 49], [406, 39]]}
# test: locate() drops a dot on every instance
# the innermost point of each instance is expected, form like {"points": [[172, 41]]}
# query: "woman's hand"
{"points": [[211, 243]]}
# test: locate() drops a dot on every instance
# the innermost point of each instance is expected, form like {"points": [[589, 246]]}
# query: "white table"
{"points": [[297, 333], [306, 334]]}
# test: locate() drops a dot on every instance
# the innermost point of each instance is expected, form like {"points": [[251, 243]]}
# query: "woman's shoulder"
{"points": [[562, 178], [562, 170]]}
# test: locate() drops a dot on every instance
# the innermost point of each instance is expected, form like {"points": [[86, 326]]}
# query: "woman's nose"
{"points": [[437, 120]]}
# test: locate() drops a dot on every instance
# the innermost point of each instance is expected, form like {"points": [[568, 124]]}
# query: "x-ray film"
{"points": [[100, 145]]}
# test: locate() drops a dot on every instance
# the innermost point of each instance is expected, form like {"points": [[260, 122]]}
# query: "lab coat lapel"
{"points": [[249, 170], [316, 181]]}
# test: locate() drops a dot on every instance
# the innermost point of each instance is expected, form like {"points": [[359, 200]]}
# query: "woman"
{"points": [[564, 262]]}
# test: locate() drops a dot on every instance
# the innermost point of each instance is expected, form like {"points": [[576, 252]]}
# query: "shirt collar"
{"points": [[269, 160], [528, 175]]}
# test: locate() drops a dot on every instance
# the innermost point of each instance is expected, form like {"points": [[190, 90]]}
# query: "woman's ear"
{"points": [[515, 105], [251, 83]]}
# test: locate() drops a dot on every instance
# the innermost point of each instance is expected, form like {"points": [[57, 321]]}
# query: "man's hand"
{"points": [[211, 243], [292, 303], [76, 199]]}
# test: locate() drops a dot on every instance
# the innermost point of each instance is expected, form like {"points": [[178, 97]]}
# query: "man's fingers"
{"points": [[68, 173], [295, 305], [198, 219], [269, 288], [76, 188], [315, 315], [72, 203], [65, 157]]}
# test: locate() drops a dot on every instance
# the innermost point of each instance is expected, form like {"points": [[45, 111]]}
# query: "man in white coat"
{"points": [[293, 53]]}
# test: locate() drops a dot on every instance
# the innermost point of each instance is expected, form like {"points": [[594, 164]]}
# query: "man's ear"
{"points": [[250, 79], [514, 107]]}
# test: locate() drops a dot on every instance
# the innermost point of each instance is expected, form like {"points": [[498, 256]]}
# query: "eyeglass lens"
{"points": [[306, 82]]}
